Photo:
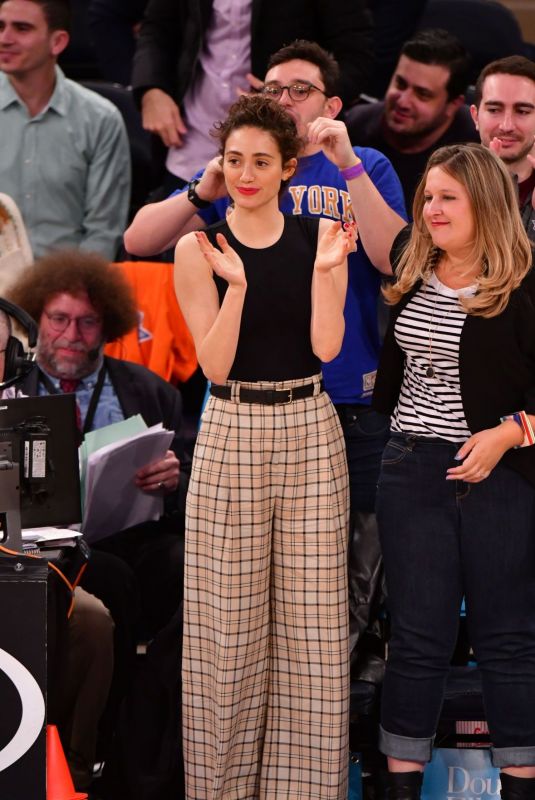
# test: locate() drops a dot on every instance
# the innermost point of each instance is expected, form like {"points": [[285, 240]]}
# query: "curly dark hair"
{"points": [[257, 111], [76, 272]]}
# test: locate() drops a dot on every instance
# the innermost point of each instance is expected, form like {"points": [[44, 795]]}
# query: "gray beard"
{"points": [[69, 370]]}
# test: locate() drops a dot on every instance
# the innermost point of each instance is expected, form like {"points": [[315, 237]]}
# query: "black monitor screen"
{"points": [[40, 434]]}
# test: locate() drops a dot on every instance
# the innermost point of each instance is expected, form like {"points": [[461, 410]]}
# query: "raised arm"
{"points": [[378, 223], [329, 286], [215, 329], [158, 226]]}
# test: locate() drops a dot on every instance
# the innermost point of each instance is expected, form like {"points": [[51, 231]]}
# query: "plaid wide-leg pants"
{"points": [[266, 668]]}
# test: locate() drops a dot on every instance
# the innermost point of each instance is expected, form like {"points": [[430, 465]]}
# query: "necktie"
{"points": [[69, 386]]}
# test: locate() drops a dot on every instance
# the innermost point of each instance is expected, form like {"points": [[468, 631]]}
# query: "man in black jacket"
{"points": [[80, 302], [193, 58], [423, 107]]}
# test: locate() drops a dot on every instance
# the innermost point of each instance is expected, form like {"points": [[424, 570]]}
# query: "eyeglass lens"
{"points": [[296, 91], [61, 322]]}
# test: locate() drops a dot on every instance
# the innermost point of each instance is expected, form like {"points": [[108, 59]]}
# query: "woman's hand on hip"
{"points": [[482, 451]]}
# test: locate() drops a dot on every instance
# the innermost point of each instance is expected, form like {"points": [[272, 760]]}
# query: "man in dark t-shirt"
{"points": [[423, 107]]}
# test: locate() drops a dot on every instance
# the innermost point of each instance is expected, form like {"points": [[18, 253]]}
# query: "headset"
{"points": [[17, 361]]}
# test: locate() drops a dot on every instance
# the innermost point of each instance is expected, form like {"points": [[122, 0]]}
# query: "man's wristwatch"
{"points": [[194, 198]]}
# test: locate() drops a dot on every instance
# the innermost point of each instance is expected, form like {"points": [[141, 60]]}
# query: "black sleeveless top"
{"points": [[274, 341]]}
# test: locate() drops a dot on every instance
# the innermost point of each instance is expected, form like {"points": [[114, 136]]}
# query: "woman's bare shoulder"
{"points": [[187, 245]]}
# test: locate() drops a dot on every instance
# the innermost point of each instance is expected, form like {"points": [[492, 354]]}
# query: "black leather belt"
{"points": [[266, 397]]}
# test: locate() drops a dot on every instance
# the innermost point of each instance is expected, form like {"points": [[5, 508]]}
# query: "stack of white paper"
{"points": [[47, 537], [109, 460]]}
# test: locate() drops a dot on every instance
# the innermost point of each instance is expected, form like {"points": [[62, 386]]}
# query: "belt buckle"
{"points": [[290, 397]]}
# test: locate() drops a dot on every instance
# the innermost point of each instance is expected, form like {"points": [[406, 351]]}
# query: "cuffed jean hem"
{"points": [[513, 756], [406, 748]]}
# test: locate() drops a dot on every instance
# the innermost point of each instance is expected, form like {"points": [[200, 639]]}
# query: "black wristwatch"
{"points": [[194, 198]]}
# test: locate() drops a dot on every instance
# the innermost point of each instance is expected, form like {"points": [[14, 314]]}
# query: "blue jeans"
{"points": [[365, 434], [442, 540]]}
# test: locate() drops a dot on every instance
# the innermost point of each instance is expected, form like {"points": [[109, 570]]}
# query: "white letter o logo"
{"points": [[33, 710]]}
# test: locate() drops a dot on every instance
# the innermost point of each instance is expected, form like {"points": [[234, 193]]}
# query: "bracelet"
{"points": [[352, 172], [522, 419]]}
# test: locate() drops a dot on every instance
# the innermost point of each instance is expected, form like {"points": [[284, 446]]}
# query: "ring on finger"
{"points": [[161, 484]]}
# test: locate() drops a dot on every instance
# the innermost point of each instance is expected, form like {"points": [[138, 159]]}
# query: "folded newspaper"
{"points": [[109, 460]]}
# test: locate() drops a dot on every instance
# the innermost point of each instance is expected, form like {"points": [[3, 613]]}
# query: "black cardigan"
{"points": [[496, 368]]}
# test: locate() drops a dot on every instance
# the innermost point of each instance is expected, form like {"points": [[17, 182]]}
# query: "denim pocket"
{"points": [[370, 423], [395, 451]]}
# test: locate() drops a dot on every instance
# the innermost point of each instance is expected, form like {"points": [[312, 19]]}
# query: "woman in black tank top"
{"points": [[265, 670]]}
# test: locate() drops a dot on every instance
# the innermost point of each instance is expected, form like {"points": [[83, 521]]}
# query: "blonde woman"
{"points": [[456, 498], [265, 669]]}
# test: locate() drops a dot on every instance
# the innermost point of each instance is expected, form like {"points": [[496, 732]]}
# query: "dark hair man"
{"points": [[423, 107], [65, 157], [504, 115]]}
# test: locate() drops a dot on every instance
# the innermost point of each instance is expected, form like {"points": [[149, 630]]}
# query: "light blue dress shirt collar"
{"points": [[57, 102], [108, 408]]}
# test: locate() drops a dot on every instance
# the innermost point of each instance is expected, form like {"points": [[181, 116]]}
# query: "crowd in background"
{"points": [[107, 154]]}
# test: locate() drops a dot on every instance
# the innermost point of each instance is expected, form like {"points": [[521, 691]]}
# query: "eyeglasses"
{"points": [[298, 91], [60, 322]]}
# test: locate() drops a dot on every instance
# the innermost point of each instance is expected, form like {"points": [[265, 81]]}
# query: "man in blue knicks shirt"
{"points": [[336, 181]]}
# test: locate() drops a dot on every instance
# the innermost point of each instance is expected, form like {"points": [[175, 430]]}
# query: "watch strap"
{"points": [[194, 198]]}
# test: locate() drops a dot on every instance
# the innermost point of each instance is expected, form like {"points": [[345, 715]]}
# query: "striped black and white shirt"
{"points": [[428, 330]]}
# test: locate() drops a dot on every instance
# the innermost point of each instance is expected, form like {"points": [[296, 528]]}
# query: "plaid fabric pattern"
{"points": [[266, 668]]}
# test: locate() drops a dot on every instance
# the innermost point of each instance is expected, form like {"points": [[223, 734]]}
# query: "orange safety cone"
{"points": [[59, 785]]}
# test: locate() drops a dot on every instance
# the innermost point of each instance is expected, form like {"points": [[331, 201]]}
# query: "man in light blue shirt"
{"points": [[65, 156]]}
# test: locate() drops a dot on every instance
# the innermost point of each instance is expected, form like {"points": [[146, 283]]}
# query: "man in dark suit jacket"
{"points": [[80, 302], [423, 108], [193, 57]]}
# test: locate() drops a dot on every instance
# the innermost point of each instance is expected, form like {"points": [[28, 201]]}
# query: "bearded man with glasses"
{"points": [[80, 302]]}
